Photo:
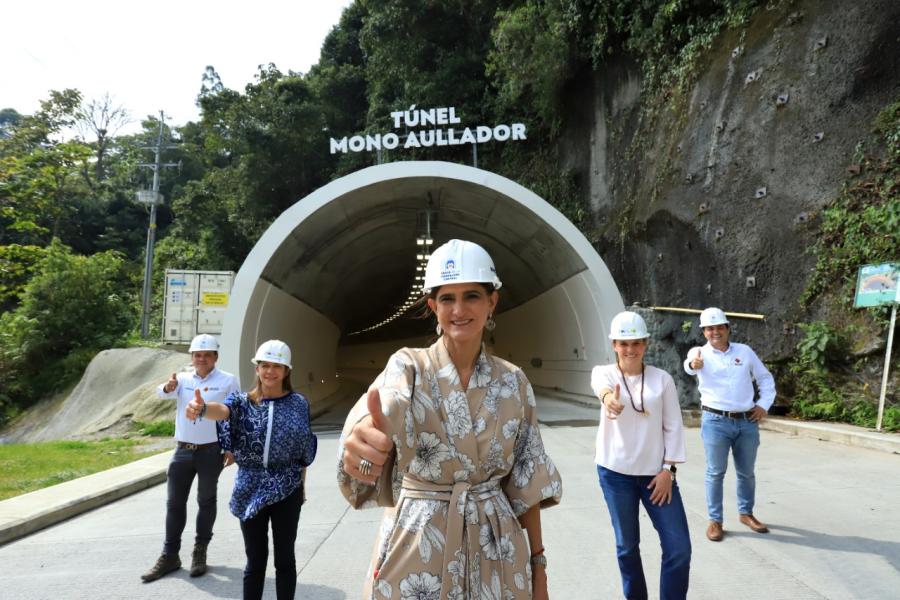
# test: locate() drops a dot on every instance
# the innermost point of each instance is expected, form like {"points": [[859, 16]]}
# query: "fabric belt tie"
{"points": [[725, 413], [189, 446], [458, 495]]}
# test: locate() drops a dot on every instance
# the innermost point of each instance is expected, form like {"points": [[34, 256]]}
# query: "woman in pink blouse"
{"points": [[640, 439]]}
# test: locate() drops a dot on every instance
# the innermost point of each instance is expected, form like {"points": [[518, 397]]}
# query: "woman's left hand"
{"points": [[662, 488], [539, 583]]}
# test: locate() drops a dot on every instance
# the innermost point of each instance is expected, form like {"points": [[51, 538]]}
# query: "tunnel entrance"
{"points": [[334, 267]]}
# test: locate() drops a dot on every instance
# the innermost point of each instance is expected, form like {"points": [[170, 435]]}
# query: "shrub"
{"points": [[825, 391], [73, 307]]}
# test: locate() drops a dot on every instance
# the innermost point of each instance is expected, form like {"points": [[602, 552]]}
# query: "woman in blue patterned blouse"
{"points": [[267, 429]]}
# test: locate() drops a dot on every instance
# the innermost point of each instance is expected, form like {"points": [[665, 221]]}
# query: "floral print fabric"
{"points": [[466, 464], [292, 447]]}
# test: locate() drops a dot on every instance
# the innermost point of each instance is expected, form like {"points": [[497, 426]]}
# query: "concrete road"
{"points": [[832, 510]]}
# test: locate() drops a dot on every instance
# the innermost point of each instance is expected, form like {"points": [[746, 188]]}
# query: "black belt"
{"points": [[725, 413], [188, 446]]}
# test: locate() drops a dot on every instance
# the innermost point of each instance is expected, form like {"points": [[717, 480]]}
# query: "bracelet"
{"points": [[538, 553], [603, 398]]}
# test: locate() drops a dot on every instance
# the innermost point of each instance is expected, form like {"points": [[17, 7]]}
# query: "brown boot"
{"points": [[198, 561], [754, 524], [714, 532], [166, 563]]}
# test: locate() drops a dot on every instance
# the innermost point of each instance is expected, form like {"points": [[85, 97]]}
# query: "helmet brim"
{"points": [[274, 362]]}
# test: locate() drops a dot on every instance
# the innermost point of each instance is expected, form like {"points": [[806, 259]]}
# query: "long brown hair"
{"points": [[256, 393]]}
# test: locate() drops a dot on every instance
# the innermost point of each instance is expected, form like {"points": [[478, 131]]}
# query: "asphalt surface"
{"points": [[832, 510]]}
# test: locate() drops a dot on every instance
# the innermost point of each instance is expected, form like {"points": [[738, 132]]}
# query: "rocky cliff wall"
{"points": [[713, 199]]}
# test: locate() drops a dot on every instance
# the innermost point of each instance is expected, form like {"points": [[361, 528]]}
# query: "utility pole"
{"points": [[153, 198]]}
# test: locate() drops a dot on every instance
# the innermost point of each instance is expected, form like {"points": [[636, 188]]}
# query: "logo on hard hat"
{"points": [[450, 271]]}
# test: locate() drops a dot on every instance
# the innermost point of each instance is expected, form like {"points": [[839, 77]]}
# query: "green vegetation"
{"points": [[540, 45], [155, 429], [862, 224], [28, 467], [824, 381], [70, 309]]}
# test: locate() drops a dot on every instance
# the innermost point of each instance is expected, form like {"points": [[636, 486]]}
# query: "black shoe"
{"points": [[165, 564], [198, 561]]}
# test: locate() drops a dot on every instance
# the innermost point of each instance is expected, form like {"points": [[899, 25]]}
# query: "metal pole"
{"points": [[697, 311], [887, 365], [151, 237]]}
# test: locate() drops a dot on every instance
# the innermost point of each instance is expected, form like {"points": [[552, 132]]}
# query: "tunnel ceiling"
{"points": [[354, 259]]}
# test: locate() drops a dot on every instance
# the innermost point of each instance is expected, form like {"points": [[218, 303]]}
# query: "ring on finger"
{"points": [[365, 467]]}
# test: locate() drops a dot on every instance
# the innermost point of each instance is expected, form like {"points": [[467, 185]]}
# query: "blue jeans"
{"points": [[624, 494], [721, 434]]}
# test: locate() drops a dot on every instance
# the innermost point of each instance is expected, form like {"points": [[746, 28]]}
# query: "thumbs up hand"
{"points": [[611, 401], [373, 403], [171, 384], [697, 361], [196, 407], [367, 447]]}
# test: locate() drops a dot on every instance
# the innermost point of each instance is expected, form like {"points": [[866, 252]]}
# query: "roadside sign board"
{"points": [[877, 285]]}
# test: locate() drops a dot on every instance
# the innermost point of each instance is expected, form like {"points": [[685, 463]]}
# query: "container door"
{"points": [[215, 289]]}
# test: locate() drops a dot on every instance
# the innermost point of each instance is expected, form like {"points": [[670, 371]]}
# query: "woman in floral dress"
{"points": [[447, 437], [268, 431]]}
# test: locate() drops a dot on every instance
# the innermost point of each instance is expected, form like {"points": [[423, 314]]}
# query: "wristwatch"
{"points": [[671, 469], [540, 559]]}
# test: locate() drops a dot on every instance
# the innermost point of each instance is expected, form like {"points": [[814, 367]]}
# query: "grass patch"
{"points": [[156, 428], [28, 467]]}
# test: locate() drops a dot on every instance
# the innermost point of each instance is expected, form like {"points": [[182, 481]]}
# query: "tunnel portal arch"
{"points": [[342, 257]]}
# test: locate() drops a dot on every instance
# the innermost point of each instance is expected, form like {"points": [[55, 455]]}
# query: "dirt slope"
{"points": [[118, 386]]}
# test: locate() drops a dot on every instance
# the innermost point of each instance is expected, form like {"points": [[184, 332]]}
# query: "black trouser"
{"points": [[284, 516], [206, 464]]}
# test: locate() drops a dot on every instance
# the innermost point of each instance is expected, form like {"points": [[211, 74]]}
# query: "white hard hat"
{"points": [[273, 351], [712, 316], [204, 341], [628, 325], [459, 261]]}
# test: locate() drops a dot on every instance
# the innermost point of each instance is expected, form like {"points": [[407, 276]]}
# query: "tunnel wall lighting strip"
{"points": [[423, 253]]}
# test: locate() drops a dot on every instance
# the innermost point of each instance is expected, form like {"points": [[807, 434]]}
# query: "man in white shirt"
{"points": [[730, 419], [197, 454]]}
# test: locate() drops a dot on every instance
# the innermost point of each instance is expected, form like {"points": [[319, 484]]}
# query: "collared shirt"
{"points": [[726, 379], [634, 443], [272, 442], [215, 387]]}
